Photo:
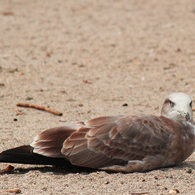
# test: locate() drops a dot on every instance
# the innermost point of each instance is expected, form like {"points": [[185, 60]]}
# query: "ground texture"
{"points": [[86, 59]]}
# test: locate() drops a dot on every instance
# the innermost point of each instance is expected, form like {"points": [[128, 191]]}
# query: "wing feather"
{"points": [[117, 140], [49, 143], [103, 120], [106, 141]]}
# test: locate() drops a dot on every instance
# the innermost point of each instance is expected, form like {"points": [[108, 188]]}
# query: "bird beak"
{"points": [[188, 117]]}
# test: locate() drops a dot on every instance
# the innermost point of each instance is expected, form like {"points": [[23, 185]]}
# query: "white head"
{"points": [[178, 107]]}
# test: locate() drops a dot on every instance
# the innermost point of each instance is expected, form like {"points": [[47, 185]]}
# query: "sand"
{"points": [[87, 59]]}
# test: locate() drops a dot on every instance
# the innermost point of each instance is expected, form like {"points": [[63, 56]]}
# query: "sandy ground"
{"points": [[100, 54]]}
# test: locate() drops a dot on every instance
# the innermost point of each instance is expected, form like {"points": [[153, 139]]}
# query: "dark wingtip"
{"points": [[24, 155]]}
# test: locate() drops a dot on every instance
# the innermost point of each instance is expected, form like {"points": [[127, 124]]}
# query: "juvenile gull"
{"points": [[116, 143]]}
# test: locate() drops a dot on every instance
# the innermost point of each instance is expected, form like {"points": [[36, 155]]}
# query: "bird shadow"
{"points": [[189, 165], [72, 169], [57, 170]]}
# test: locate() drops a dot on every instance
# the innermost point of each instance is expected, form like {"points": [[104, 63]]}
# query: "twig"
{"points": [[40, 108], [193, 109], [16, 191]]}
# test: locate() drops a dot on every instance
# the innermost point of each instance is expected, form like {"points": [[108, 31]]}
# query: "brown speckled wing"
{"points": [[108, 141], [49, 143]]}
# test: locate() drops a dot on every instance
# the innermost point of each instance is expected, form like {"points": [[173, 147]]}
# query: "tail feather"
{"points": [[24, 155]]}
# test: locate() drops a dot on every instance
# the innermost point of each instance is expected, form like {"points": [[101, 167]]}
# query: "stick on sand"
{"points": [[16, 191], [40, 108]]}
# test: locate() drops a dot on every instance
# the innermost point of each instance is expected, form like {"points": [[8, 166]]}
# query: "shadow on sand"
{"points": [[69, 168]]}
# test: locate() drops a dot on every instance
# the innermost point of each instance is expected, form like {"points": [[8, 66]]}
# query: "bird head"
{"points": [[178, 107]]}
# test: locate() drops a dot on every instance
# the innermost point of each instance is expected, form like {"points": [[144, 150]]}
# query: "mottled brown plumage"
{"points": [[118, 143]]}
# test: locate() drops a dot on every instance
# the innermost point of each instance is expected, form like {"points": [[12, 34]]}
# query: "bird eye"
{"points": [[168, 101], [171, 103], [191, 104]]}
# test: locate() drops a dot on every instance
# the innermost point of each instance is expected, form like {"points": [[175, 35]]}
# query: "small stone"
{"points": [[81, 65], [48, 53], [8, 13], [2, 85], [9, 168], [189, 171], [29, 98], [174, 191], [155, 177], [13, 70], [86, 81]]}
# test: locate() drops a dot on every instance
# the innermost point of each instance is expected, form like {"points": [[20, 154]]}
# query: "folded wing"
{"points": [[108, 141]]}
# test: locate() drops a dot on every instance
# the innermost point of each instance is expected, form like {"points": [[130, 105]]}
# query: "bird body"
{"points": [[117, 143]]}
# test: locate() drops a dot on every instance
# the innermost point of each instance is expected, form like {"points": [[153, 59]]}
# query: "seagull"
{"points": [[116, 143]]}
